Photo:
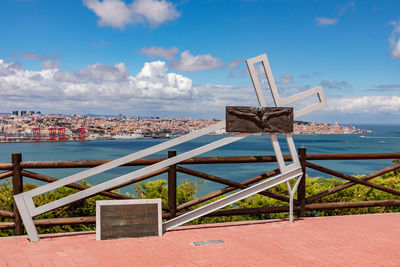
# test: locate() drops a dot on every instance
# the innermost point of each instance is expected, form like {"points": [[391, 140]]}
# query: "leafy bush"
{"points": [[185, 192]]}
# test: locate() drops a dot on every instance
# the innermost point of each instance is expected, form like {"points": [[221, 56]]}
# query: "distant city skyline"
{"points": [[38, 127], [184, 58]]}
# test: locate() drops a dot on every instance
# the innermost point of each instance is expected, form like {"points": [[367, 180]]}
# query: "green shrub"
{"points": [[185, 192]]}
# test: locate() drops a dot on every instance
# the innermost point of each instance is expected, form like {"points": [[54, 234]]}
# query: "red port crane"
{"points": [[82, 134], [36, 134], [61, 134], [53, 134]]}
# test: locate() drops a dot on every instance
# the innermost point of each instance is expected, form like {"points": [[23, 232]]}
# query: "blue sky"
{"points": [[186, 58]]}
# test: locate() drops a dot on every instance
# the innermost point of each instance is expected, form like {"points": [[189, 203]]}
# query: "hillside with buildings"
{"points": [[34, 126]]}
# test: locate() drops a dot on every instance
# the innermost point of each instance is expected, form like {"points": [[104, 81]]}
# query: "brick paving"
{"points": [[359, 240]]}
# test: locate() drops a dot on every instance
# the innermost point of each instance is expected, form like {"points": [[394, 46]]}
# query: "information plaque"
{"points": [[128, 218]]}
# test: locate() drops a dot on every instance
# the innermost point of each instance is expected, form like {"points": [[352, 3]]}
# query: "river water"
{"points": [[384, 139]]}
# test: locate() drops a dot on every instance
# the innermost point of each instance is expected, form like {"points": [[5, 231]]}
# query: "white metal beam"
{"points": [[187, 217], [26, 217]]}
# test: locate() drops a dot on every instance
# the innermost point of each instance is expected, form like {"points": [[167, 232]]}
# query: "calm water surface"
{"points": [[383, 139]]}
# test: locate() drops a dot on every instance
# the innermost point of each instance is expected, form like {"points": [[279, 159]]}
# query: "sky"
{"points": [[186, 58]]}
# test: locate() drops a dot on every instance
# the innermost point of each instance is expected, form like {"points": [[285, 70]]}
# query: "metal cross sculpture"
{"points": [[244, 120]]}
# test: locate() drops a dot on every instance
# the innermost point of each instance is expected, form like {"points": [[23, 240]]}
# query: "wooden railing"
{"points": [[17, 169]]}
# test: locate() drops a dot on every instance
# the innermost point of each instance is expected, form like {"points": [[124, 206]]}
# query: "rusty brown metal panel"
{"points": [[259, 119]]}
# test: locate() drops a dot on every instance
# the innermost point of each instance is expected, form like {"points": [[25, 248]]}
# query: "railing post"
{"points": [[17, 189], [172, 186], [301, 189]]}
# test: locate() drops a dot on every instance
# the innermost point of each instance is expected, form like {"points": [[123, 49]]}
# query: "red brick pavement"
{"points": [[365, 240]]}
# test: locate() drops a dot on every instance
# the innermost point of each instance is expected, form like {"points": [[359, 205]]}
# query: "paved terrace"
{"points": [[364, 240]]}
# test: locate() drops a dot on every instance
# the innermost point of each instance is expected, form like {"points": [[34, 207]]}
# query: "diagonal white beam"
{"points": [[127, 177], [123, 160], [187, 217]]}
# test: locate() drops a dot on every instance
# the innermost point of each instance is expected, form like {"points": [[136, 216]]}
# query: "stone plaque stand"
{"points": [[128, 218]]}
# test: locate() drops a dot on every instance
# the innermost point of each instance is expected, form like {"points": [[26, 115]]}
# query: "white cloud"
{"points": [[113, 13], [234, 63], [97, 88], [326, 21], [394, 40], [154, 81], [48, 62], [117, 13], [155, 51], [237, 69], [386, 88], [190, 63], [101, 73], [365, 104], [286, 78], [291, 90], [31, 56], [151, 70], [8, 68], [333, 84], [154, 11]]}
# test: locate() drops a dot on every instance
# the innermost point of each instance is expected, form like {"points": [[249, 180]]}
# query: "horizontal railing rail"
{"points": [[63, 164], [18, 169]]}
